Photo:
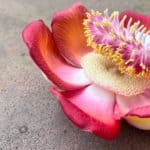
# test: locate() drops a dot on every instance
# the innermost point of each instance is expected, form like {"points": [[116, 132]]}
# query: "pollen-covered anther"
{"points": [[105, 23], [127, 47], [96, 24], [134, 27], [114, 14], [123, 20], [122, 45]]}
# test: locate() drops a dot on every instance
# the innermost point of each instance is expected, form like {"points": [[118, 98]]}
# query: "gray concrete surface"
{"points": [[30, 117]]}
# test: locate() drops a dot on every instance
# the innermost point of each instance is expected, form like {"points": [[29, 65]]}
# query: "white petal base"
{"points": [[102, 72]]}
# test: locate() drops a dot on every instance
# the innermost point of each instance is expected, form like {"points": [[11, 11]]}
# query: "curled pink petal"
{"points": [[145, 20], [141, 111], [43, 51], [138, 105], [91, 109], [67, 29]]}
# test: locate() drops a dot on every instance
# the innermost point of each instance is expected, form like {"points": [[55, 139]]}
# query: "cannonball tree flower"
{"points": [[99, 65]]}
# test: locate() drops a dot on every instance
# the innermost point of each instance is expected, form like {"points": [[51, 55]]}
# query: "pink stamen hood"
{"points": [[128, 47]]}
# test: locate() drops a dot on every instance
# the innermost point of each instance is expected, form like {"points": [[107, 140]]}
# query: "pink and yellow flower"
{"points": [[99, 65]]}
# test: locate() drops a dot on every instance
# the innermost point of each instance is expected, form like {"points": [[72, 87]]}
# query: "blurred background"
{"points": [[30, 117]]}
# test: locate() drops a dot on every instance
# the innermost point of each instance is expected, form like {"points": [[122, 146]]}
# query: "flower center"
{"points": [[102, 72], [128, 47]]}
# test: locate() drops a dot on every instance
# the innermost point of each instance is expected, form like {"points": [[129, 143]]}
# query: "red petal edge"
{"points": [[83, 120]]}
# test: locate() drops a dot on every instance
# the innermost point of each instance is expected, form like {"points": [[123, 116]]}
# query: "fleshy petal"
{"points": [[43, 51], [67, 28], [141, 111], [91, 109], [141, 123], [138, 105], [145, 20]]}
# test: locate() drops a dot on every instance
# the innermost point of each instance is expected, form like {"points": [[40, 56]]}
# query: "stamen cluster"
{"points": [[127, 46]]}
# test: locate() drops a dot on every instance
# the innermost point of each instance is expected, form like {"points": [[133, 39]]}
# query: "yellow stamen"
{"points": [[105, 23]]}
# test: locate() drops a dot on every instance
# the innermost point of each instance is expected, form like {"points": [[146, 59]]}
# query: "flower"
{"points": [[99, 66]]}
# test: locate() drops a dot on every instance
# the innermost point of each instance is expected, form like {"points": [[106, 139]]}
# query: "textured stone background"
{"points": [[30, 117]]}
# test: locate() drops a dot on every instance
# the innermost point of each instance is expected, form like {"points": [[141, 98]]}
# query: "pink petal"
{"points": [[43, 51], [91, 109], [138, 105], [145, 20], [141, 111], [67, 28]]}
